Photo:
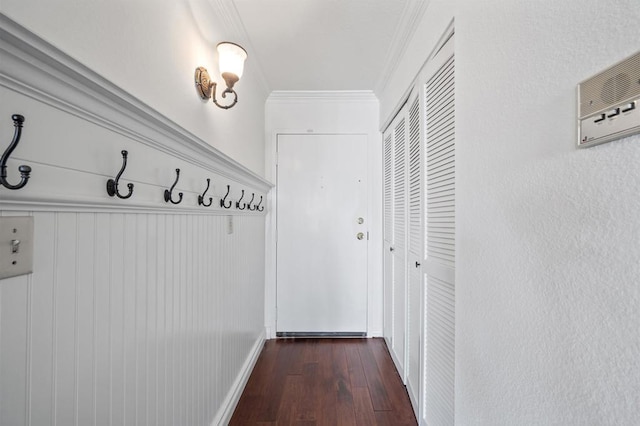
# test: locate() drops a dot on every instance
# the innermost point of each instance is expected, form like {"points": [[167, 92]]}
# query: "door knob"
{"points": [[417, 264], [391, 249], [360, 235]]}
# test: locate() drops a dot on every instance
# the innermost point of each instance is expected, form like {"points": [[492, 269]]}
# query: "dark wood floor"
{"points": [[324, 382]]}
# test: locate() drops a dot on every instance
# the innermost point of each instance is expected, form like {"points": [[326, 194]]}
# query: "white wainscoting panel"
{"points": [[130, 318]]}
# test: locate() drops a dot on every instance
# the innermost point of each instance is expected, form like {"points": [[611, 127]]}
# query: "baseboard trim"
{"points": [[231, 400], [398, 364]]}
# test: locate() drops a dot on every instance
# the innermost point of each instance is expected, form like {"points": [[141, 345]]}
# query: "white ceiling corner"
{"points": [[234, 28], [321, 45]]}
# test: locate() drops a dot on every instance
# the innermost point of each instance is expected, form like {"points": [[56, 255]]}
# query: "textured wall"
{"points": [[548, 270], [547, 294]]}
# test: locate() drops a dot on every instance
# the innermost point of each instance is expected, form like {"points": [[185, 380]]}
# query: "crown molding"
{"points": [[322, 95], [406, 28]]}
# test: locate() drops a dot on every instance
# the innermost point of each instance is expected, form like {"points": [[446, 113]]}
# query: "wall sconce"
{"points": [[231, 59]]}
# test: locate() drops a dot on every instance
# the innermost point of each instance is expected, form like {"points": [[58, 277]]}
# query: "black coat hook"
{"points": [[252, 208], [112, 184], [244, 205], [201, 197], [223, 201], [260, 209], [24, 170], [168, 194]]}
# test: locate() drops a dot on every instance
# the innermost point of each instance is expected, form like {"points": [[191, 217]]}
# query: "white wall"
{"points": [[151, 48], [332, 113], [547, 296], [549, 235]]}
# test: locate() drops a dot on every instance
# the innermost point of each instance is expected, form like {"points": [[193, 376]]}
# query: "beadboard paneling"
{"points": [[130, 319]]}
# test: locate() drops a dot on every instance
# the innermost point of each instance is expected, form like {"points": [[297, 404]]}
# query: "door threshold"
{"points": [[321, 334]]}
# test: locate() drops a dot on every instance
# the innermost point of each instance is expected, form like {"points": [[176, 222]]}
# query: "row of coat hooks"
{"points": [[112, 184], [112, 190]]}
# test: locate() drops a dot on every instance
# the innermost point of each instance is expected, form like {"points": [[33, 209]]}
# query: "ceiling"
{"points": [[322, 44]]}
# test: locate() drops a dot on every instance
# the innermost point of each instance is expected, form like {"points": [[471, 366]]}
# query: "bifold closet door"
{"points": [[439, 406], [388, 237], [415, 252], [395, 257]]}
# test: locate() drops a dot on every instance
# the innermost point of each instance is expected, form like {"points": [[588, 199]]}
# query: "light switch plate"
{"points": [[229, 225], [16, 246]]}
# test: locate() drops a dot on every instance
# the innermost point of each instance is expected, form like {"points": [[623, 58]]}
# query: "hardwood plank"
{"points": [[379, 397], [246, 412], [311, 382], [345, 414], [390, 418], [363, 410], [267, 387], [354, 364], [273, 393], [261, 376], [397, 392], [297, 361], [310, 350], [309, 402], [328, 394], [291, 397]]}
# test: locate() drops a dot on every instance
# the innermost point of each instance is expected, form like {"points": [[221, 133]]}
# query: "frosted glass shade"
{"points": [[231, 58]]}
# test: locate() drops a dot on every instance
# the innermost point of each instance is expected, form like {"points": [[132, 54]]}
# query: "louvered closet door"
{"points": [[440, 241], [388, 236], [399, 257], [415, 255]]}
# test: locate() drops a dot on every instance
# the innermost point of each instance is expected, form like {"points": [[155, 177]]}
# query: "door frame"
{"points": [[329, 145], [374, 248], [323, 113]]}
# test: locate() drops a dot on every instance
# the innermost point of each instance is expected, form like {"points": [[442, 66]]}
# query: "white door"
{"points": [[395, 239], [388, 237], [399, 253], [321, 235], [415, 253], [439, 268]]}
